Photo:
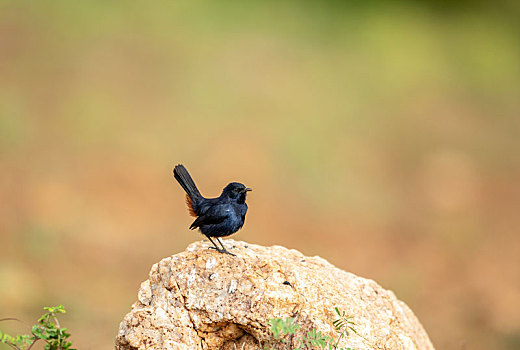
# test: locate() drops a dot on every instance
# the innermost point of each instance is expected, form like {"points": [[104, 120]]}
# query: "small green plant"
{"points": [[343, 325], [314, 338], [48, 330], [283, 326], [283, 330]]}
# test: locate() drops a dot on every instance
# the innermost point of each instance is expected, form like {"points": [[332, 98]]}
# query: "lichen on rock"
{"points": [[202, 299]]}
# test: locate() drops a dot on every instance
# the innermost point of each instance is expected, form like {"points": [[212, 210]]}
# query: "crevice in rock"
{"points": [[129, 347], [224, 335]]}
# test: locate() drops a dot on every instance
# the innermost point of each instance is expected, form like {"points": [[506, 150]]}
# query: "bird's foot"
{"points": [[228, 252], [223, 251]]}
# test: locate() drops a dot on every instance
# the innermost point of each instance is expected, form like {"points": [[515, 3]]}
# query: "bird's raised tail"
{"points": [[192, 193], [183, 177]]}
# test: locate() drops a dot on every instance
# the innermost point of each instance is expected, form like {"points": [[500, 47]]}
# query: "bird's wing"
{"points": [[214, 215]]}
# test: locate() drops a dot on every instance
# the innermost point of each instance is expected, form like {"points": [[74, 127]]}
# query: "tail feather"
{"points": [[183, 177], [189, 203]]}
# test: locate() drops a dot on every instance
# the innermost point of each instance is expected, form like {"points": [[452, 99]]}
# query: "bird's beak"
{"points": [[248, 189]]}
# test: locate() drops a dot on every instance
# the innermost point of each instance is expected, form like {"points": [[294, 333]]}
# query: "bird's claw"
{"points": [[223, 251]]}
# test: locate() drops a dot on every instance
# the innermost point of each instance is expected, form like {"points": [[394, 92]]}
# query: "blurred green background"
{"points": [[382, 136]]}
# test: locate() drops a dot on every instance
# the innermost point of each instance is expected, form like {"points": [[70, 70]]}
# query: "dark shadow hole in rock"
{"points": [[126, 347], [245, 342], [227, 336]]}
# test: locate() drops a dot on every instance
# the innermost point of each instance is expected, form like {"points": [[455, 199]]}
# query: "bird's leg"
{"points": [[224, 248], [215, 246], [221, 244]]}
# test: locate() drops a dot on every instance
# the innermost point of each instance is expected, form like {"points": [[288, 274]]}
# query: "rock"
{"points": [[201, 299]]}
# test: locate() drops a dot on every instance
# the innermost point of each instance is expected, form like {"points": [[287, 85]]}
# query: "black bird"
{"points": [[215, 217]]}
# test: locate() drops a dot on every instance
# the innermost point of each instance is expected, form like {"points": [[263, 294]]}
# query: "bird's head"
{"points": [[237, 191]]}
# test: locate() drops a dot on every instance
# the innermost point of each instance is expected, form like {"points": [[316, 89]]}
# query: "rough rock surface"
{"points": [[201, 299]]}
